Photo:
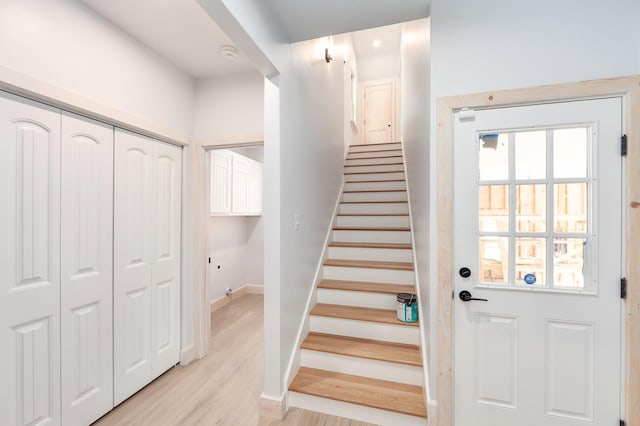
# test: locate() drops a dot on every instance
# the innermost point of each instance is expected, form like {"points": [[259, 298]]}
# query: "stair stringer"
{"points": [[424, 348], [295, 360]]}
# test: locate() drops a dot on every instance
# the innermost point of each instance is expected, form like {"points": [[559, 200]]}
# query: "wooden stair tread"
{"points": [[378, 181], [375, 393], [366, 286], [372, 202], [377, 156], [385, 316], [368, 228], [400, 353], [373, 264], [373, 245], [375, 144], [372, 173], [353, 191], [373, 164], [373, 214], [375, 150]]}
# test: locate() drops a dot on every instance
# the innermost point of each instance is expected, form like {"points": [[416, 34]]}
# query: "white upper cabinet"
{"points": [[236, 184]]}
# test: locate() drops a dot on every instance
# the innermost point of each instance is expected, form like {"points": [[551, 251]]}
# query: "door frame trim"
{"points": [[626, 87]]}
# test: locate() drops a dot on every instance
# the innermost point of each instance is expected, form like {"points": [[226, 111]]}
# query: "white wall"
{"points": [[65, 44], [229, 109], [379, 67], [415, 127], [499, 44], [352, 134]]}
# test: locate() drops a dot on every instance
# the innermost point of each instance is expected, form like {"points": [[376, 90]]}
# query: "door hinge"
{"points": [[209, 260], [623, 423], [623, 288], [623, 145]]}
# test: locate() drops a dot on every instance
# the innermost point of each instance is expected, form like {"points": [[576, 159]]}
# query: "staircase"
{"points": [[359, 361]]}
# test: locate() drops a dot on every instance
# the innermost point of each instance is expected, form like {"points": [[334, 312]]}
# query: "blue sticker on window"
{"points": [[530, 279]]}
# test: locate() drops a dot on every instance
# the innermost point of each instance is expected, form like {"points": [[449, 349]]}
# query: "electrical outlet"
{"points": [[229, 291]]}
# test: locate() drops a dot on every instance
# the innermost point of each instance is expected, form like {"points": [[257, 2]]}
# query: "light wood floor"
{"points": [[221, 389]]}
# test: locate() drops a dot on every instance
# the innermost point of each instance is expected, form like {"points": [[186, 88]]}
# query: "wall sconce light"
{"points": [[327, 55]]}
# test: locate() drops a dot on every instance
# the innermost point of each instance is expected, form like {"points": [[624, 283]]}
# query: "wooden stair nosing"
{"points": [[369, 228], [375, 144], [378, 181], [373, 164], [374, 393], [370, 152], [399, 353], [394, 246], [372, 214], [383, 316], [372, 202], [373, 173], [377, 156], [369, 264], [366, 191], [366, 287]]}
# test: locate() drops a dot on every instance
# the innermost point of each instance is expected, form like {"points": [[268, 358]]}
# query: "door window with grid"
{"points": [[535, 189]]}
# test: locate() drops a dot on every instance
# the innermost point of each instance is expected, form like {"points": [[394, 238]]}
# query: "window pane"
{"points": [[531, 210], [570, 214], [531, 257], [568, 261], [494, 208], [570, 153], [494, 157], [494, 260], [531, 155]]}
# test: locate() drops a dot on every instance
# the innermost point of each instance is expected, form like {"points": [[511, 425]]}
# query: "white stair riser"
{"points": [[386, 153], [361, 253], [374, 147], [375, 196], [375, 169], [399, 237], [374, 208], [376, 221], [363, 367], [375, 186], [373, 176], [365, 329], [376, 160], [392, 276], [357, 298], [352, 411]]}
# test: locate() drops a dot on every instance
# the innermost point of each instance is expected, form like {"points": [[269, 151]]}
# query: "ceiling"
{"points": [[389, 37], [179, 30], [307, 19]]}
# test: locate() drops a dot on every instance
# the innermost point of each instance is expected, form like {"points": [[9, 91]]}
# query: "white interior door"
{"points": [[87, 269], [29, 262], [538, 224], [133, 260], [379, 102], [165, 270]]}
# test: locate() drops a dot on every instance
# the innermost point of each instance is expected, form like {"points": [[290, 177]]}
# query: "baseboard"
{"points": [[187, 355], [255, 289], [225, 300], [273, 408]]}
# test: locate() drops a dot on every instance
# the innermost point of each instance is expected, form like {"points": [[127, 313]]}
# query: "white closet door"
{"points": [[29, 262], [132, 263], [165, 294], [240, 185], [87, 256]]}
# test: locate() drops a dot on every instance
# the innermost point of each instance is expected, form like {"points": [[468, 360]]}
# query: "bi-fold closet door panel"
{"points": [[29, 262], [147, 261], [87, 278]]}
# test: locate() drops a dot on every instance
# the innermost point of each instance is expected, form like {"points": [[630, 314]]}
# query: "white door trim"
{"points": [[629, 89]]}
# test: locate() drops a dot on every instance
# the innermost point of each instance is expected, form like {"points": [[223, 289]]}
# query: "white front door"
{"points": [[538, 220], [379, 113]]}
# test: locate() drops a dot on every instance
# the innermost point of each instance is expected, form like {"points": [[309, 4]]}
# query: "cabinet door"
{"points": [[29, 262], [132, 263], [240, 184], [220, 191], [255, 188], [165, 292], [87, 263]]}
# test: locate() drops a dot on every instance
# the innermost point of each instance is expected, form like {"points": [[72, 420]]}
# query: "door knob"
{"points": [[466, 296]]}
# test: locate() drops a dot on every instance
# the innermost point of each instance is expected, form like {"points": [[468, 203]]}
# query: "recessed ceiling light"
{"points": [[228, 52], [376, 43]]}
